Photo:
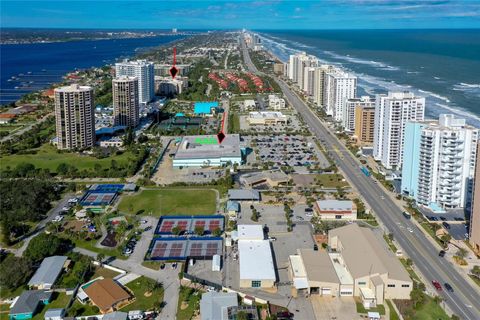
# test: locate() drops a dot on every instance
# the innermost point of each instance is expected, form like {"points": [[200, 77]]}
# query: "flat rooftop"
{"points": [[250, 232], [267, 115], [256, 261], [335, 205], [342, 273], [207, 147]]}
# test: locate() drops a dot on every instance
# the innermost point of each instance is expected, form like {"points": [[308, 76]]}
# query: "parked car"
{"points": [[446, 225], [147, 228], [437, 285]]}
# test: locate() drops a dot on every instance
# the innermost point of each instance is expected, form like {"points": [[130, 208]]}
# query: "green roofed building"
{"points": [[198, 151]]}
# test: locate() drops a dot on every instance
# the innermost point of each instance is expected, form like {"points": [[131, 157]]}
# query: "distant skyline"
{"points": [[328, 14]]}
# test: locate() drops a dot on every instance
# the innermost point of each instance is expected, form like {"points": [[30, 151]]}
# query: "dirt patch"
{"points": [[184, 305], [109, 240], [148, 294]]}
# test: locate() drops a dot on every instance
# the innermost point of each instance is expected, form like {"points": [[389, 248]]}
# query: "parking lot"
{"points": [[141, 247], [282, 150]]}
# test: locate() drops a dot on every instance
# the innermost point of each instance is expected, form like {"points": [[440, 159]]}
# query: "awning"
{"points": [[300, 283]]}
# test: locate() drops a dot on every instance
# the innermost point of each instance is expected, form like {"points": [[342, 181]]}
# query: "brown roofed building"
{"points": [[7, 117], [107, 295]]}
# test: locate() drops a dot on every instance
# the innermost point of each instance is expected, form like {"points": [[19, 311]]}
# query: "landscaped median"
{"points": [[170, 201]]}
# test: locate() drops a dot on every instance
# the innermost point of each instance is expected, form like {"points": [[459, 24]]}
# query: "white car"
{"points": [[410, 230], [57, 219]]}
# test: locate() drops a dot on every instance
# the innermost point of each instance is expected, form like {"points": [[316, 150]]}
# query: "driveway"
{"points": [[343, 308]]}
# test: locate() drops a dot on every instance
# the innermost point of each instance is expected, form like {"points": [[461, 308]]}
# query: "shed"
{"points": [[216, 262], [55, 314]]}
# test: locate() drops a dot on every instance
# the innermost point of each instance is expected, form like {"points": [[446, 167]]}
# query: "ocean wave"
{"points": [[459, 111]]}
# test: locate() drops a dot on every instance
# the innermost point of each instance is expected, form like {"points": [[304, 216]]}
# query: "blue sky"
{"points": [[327, 14]]}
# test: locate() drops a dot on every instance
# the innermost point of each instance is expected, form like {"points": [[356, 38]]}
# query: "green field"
{"points": [[143, 302], [47, 157], [170, 202], [333, 180]]}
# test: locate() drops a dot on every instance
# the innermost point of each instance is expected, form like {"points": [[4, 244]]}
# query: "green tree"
{"points": [[15, 272], [461, 253], [100, 257], [242, 315], [177, 230], [476, 271], [199, 230], [43, 245], [217, 232]]}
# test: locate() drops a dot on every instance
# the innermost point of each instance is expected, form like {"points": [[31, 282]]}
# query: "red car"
{"points": [[437, 285]]}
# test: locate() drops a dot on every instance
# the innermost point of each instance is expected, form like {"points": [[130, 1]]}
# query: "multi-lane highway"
{"points": [[465, 300]]}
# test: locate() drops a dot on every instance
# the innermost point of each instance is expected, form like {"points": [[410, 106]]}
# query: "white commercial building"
{"points": [[439, 162], [350, 107], [266, 118], [276, 102], [144, 71], [74, 117], [125, 101], [339, 87], [392, 112], [257, 269]]}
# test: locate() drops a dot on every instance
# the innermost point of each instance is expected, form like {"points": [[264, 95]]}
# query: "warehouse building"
{"points": [[336, 209], [266, 118], [243, 195], [199, 151], [357, 265], [257, 269]]}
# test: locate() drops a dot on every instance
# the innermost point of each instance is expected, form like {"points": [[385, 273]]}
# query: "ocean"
{"points": [[36, 66], [442, 65]]}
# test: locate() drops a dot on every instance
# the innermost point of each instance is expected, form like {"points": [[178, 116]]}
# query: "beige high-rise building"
{"points": [[75, 117], [475, 214], [319, 85], [365, 122], [125, 101]]}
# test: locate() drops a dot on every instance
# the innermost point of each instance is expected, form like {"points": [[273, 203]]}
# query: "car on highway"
{"points": [[437, 285], [410, 230], [446, 225], [448, 287], [441, 253]]}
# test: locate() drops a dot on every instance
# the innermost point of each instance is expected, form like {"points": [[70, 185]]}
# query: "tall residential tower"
{"points": [[74, 117], [144, 71], [392, 112], [125, 101], [439, 162]]}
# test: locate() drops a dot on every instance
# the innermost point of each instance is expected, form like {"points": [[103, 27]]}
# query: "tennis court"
{"points": [[188, 224], [181, 248], [95, 198]]}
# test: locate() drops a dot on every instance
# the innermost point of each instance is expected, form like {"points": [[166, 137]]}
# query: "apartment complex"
{"points": [[309, 80], [392, 112], [298, 65], [144, 71], [74, 117], [339, 87], [365, 122], [351, 105], [474, 236], [439, 162], [125, 101], [358, 264], [275, 102]]}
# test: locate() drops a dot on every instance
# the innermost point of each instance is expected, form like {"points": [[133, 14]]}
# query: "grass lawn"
{"points": [[7, 293], [410, 271], [379, 308], [333, 180], [188, 303], [393, 313], [154, 265], [170, 202], [142, 302], [104, 272], [475, 279], [47, 157], [59, 300], [79, 309], [430, 311]]}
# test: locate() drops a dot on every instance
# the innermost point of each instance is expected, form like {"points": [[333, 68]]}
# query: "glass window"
{"points": [[256, 284]]}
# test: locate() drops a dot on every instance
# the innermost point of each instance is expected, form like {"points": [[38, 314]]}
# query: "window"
{"points": [[362, 283], [391, 286], [256, 284], [405, 286]]}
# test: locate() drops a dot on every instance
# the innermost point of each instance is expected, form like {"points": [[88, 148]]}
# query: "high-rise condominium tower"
{"points": [[392, 112], [145, 73], [125, 101], [74, 117]]}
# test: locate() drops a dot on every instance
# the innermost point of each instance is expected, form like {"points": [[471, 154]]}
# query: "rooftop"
{"points": [[335, 205], [250, 232], [256, 262], [243, 194], [214, 305], [48, 271], [29, 300], [207, 147], [106, 293], [318, 266], [266, 115], [364, 254]]}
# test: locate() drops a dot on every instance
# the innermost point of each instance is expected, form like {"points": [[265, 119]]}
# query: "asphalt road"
{"points": [[465, 301]]}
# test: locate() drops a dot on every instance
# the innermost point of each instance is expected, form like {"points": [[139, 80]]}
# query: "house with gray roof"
{"points": [[48, 272], [243, 195], [28, 304], [215, 305], [55, 314]]}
